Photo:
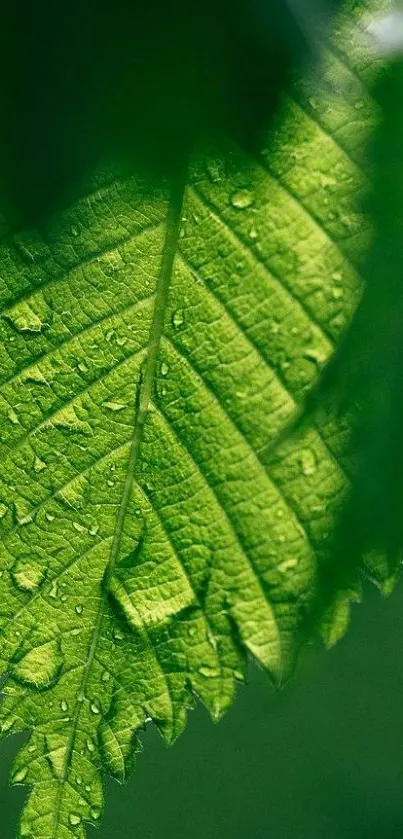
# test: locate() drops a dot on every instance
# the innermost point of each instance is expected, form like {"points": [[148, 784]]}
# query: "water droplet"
{"points": [[83, 367], [54, 591], [164, 369], [19, 775], [337, 293], [40, 668], [74, 230], [178, 318], [74, 819], [95, 812], [49, 516], [117, 635], [209, 672], [308, 462], [27, 574], [253, 233], [64, 705], [114, 406], [106, 676], [13, 417], [95, 706], [239, 676], [241, 199], [79, 527], [192, 631], [79, 608], [90, 745], [288, 564]]}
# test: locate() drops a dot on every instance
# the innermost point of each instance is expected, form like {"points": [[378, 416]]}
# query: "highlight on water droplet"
{"points": [[95, 706], [115, 406], [242, 199], [74, 819], [27, 574], [209, 672], [178, 318], [164, 369], [308, 462], [19, 775], [12, 416], [79, 608]]}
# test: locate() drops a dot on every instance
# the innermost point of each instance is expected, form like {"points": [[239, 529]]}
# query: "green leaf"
{"points": [[156, 340]]}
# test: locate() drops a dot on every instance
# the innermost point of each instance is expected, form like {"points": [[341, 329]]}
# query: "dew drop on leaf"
{"points": [[27, 574], [54, 591], [241, 199], [209, 672], [178, 318], [79, 527], [308, 462], [95, 706], [19, 775], [95, 812], [12, 416], [74, 819], [115, 406], [64, 705], [164, 369], [79, 608]]}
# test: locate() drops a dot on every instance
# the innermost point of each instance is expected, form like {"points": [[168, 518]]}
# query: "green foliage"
{"points": [[150, 543]]}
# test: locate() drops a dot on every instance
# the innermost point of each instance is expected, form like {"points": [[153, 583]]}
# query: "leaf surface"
{"points": [[151, 353]]}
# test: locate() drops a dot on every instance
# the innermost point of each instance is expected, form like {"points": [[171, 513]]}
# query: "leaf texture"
{"points": [[220, 542]]}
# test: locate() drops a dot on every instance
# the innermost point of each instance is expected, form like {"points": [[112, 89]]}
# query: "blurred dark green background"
{"points": [[323, 759]]}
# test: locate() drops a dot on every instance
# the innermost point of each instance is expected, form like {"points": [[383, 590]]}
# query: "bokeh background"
{"points": [[322, 759]]}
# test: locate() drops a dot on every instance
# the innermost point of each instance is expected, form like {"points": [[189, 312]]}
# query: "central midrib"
{"points": [[142, 401]]}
